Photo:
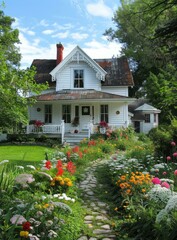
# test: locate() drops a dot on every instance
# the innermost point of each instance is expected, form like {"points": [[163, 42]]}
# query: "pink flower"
{"points": [[173, 144], [165, 184], [164, 173], [175, 154], [175, 172], [156, 180], [168, 158]]}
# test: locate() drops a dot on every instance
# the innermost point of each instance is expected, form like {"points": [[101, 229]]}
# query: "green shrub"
{"points": [[161, 138]]}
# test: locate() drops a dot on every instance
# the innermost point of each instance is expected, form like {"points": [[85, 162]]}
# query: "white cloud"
{"points": [[61, 35], [79, 36], [48, 32], [65, 26], [99, 9], [31, 50], [27, 31], [43, 23], [97, 49]]}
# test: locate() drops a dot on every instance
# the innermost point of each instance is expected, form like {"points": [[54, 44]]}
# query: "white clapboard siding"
{"points": [[118, 118], [66, 76], [123, 91]]}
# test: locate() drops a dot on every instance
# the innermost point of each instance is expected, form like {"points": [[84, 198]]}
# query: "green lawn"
{"points": [[23, 153]]}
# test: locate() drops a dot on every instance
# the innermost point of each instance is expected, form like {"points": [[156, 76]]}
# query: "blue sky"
{"points": [[43, 24]]}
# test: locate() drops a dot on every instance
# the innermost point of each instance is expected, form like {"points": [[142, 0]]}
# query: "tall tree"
{"points": [[147, 30], [15, 83]]}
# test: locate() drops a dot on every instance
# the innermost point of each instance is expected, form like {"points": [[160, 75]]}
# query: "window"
{"points": [[66, 113], [147, 118], [78, 78], [76, 111], [104, 113], [48, 113]]}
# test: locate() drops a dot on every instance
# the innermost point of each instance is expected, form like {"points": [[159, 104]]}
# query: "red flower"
{"points": [[173, 144], [26, 226], [38, 123], [156, 180], [71, 167], [103, 124], [80, 154], [165, 184], [76, 149], [48, 164], [59, 164], [60, 171], [175, 154], [68, 154], [168, 158]]}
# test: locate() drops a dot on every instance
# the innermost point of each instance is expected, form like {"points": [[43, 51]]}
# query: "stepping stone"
{"points": [[83, 238], [106, 226], [101, 231], [88, 218], [102, 218]]}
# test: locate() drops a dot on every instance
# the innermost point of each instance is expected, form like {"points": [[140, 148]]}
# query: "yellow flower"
{"points": [[46, 205], [58, 179], [24, 234], [69, 184], [62, 182], [122, 177], [67, 180]]}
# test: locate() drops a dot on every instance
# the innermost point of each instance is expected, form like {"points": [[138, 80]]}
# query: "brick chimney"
{"points": [[59, 53]]}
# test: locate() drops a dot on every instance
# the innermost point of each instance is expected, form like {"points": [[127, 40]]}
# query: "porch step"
{"points": [[75, 138]]}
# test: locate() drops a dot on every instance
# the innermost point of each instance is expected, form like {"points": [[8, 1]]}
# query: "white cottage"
{"points": [[145, 117], [82, 93]]}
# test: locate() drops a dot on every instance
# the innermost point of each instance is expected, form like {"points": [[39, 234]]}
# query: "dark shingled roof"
{"points": [[43, 68], [118, 71], [78, 95]]}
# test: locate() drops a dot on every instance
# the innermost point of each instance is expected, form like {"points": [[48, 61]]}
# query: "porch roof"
{"points": [[81, 95]]}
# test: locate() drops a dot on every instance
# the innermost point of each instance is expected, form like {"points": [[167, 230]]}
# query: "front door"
{"points": [[85, 116]]}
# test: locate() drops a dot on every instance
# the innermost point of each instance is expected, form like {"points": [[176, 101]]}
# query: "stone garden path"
{"points": [[97, 217]]}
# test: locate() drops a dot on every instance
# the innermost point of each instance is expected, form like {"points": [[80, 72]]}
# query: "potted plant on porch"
{"points": [[102, 127]]}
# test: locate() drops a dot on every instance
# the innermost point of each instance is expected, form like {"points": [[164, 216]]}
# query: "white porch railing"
{"points": [[44, 129]]}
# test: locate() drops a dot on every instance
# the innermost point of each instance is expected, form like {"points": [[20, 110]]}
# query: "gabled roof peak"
{"points": [[78, 55]]}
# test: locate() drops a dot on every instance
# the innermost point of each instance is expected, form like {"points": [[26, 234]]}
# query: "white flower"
{"points": [[43, 197], [160, 194], [31, 166], [24, 179], [171, 204], [49, 223], [33, 237], [20, 167], [167, 180], [17, 219], [4, 161], [52, 234], [160, 165]]}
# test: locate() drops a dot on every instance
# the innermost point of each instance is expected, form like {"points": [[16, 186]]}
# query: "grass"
{"points": [[23, 153]]}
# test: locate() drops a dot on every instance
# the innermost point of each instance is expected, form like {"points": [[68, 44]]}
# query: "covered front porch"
{"points": [[69, 136], [76, 112]]}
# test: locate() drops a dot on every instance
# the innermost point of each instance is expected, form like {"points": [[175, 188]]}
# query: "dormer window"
{"points": [[78, 78]]}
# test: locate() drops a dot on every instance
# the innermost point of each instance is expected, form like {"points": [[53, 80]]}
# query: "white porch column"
{"points": [[62, 130], [90, 128]]}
